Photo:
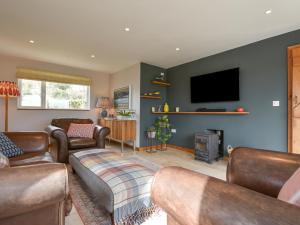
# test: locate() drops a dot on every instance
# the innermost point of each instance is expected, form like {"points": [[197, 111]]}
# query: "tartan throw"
{"points": [[129, 182]]}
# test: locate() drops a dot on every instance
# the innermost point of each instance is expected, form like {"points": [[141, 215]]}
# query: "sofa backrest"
{"points": [[64, 123]]}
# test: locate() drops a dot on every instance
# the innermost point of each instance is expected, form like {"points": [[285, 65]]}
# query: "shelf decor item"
{"points": [[104, 104], [161, 77], [163, 131], [8, 89], [166, 107]]}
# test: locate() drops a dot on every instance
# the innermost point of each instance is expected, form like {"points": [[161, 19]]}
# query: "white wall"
{"points": [[129, 76], [39, 119]]}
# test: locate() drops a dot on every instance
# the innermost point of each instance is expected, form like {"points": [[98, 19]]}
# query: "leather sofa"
{"points": [[65, 146], [35, 146], [34, 190], [249, 196]]}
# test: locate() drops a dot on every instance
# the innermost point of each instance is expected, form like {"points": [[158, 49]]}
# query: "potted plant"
{"points": [[163, 131], [151, 132], [124, 115]]}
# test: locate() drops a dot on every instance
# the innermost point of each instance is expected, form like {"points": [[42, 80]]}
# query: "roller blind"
{"points": [[52, 77]]}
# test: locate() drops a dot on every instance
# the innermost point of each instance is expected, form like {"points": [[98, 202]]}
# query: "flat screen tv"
{"points": [[216, 87]]}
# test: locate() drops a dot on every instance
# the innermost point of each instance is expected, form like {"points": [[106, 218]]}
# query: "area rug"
{"points": [[88, 210], [84, 201]]}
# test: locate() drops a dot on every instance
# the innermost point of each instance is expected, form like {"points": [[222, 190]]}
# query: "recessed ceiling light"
{"points": [[177, 49], [127, 29], [269, 11], [93, 56], [31, 41]]}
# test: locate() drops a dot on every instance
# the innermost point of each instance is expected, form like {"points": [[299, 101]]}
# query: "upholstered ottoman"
{"points": [[121, 185]]}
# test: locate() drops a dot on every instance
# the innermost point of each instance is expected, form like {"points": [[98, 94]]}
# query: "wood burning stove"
{"points": [[206, 146]]}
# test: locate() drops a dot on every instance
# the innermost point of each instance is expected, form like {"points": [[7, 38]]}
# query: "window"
{"points": [[52, 95]]}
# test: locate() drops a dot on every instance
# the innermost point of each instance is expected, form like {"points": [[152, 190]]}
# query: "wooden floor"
{"points": [[171, 157]]}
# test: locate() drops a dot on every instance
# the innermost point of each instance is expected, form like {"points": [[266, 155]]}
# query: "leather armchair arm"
{"points": [[190, 198], [100, 134], [260, 170], [39, 141], [27, 188], [61, 138]]}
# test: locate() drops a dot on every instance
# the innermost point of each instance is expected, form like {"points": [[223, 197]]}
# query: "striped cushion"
{"points": [[4, 162], [8, 148], [81, 130]]}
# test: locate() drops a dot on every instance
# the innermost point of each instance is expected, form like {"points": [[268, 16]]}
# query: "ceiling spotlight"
{"points": [[269, 11], [31, 41], [93, 56], [127, 29], [177, 49]]}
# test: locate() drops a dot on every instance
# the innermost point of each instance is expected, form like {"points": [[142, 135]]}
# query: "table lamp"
{"points": [[8, 89], [103, 103]]}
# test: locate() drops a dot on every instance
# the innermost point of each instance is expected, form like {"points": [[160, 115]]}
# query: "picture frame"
{"points": [[122, 98]]}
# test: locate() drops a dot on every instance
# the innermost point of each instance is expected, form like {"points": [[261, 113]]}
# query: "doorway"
{"points": [[294, 99]]}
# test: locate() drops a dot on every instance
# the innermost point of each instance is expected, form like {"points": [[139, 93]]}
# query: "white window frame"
{"points": [[43, 98]]}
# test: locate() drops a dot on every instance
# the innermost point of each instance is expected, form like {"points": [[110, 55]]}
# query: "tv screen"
{"points": [[216, 87]]}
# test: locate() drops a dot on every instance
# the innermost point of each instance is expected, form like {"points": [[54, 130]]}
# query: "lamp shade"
{"points": [[103, 102], [8, 88]]}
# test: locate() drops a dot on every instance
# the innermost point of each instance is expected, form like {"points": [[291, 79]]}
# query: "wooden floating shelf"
{"points": [[150, 97], [161, 83], [202, 113]]}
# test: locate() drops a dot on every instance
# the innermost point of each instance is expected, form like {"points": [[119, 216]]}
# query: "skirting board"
{"points": [[188, 150]]}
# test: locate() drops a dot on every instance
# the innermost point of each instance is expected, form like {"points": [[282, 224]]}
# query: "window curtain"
{"points": [[30, 74]]}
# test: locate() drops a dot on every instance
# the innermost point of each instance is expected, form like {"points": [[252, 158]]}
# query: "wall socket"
{"points": [[276, 103], [173, 131]]}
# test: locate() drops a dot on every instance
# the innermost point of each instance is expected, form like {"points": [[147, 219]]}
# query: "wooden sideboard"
{"points": [[120, 130]]}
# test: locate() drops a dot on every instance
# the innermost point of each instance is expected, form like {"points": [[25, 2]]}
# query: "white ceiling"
{"points": [[68, 32]]}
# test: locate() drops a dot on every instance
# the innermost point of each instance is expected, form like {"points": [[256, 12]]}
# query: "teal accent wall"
{"points": [[263, 78], [148, 73]]}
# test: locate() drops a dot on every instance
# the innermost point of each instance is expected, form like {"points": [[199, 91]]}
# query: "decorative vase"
{"points": [[166, 107]]}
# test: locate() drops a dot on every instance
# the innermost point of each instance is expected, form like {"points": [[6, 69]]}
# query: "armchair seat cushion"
{"points": [[31, 158], [77, 143]]}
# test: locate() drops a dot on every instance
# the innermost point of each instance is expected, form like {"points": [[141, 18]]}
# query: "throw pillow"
{"points": [[4, 162], [8, 148], [81, 130], [290, 192]]}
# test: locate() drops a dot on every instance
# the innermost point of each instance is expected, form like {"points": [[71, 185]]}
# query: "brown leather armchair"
{"points": [[34, 190], [33, 195], [58, 131], [35, 146], [254, 179]]}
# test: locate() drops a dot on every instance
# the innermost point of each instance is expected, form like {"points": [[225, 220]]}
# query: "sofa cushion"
{"points": [[290, 191], [64, 123], [31, 158], [76, 143], [4, 162], [8, 148], [81, 130]]}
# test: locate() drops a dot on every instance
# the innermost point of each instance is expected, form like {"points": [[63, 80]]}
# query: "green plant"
{"points": [[163, 129], [124, 113], [151, 129]]}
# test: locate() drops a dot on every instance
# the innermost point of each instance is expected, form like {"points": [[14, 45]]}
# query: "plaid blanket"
{"points": [[129, 181]]}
